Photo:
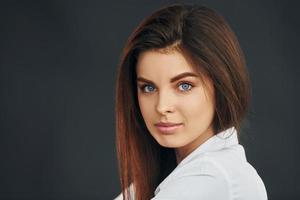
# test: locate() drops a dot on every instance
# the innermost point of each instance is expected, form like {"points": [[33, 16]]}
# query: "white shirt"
{"points": [[216, 170]]}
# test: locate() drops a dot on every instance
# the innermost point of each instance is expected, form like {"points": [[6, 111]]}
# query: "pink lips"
{"points": [[168, 128]]}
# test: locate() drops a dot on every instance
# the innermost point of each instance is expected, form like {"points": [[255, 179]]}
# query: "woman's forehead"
{"points": [[155, 63]]}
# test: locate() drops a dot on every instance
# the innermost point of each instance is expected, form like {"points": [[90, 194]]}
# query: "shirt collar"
{"points": [[221, 140], [217, 142]]}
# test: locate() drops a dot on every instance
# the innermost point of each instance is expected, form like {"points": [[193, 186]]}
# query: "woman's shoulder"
{"points": [[203, 175], [197, 179], [212, 163]]}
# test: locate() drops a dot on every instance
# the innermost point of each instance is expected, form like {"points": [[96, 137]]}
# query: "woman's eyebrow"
{"points": [[175, 78]]}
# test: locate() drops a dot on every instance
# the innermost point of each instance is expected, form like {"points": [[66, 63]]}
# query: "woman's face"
{"points": [[176, 106]]}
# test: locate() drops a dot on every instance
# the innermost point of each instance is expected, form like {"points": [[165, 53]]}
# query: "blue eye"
{"points": [[185, 87], [147, 88]]}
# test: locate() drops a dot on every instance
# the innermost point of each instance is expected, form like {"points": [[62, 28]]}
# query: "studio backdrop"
{"points": [[58, 62]]}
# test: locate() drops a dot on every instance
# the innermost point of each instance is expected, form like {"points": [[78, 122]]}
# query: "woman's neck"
{"points": [[183, 152]]}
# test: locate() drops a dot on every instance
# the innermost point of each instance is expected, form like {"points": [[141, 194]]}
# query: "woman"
{"points": [[182, 93]]}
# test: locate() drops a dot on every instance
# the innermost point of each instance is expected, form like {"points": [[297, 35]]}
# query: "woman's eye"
{"points": [[185, 87], [147, 88]]}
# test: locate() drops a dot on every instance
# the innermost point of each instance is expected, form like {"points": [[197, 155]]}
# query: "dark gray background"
{"points": [[57, 71]]}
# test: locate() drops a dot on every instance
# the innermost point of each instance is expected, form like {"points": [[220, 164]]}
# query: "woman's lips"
{"points": [[168, 128]]}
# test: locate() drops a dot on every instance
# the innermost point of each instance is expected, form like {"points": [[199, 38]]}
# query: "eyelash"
{"points": [[179, 84]]}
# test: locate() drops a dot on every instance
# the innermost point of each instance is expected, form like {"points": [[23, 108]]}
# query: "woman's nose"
{"points": [[165, 103]]}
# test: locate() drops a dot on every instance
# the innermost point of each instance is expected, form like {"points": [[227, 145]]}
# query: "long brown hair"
{"points": [[206, 41]]}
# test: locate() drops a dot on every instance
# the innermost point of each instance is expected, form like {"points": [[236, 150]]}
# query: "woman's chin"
{"points": [[170, 142]]}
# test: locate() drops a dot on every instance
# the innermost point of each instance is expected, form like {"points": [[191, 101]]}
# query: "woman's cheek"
{"points": [[145, 106]]}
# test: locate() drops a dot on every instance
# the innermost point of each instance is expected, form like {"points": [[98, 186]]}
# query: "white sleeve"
{"points": [[120, 197], [131, 191], [199, 187]]}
